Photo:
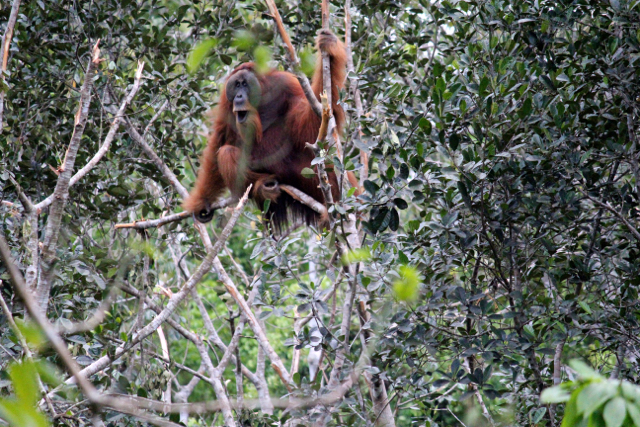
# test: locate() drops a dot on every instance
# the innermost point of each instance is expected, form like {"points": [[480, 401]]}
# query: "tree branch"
{"points": [[61, 193], [293, 60], [4, 53], [617, 214], [106, 144]]}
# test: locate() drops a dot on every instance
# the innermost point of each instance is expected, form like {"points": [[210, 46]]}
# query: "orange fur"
{"points": [[270, 144]]}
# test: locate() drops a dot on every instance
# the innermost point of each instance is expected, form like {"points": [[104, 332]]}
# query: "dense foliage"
{"points": [[503, 177]]}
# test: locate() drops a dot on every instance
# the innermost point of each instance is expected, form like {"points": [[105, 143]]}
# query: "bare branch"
{"points": [[294, 62], [154, 223], [305, 199], [131, 130], [4, 52], [355, 91], [345, 326], [61, 193], [106, 144], [617, 214], [177, 297], [155, 117], [277, 364], [40, 318]]}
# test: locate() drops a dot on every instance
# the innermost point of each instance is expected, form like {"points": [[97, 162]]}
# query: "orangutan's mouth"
{"points": [[241, 116]]}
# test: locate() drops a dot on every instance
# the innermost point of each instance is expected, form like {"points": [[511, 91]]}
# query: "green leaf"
{"points": [[538, 414], [454, 141], [394, 221], [615, 412], [634, 414], [243, 40], [32, 333], [585, 307], [526, 108], [407, 286], [371, 187], [593, 396], [547, 82], [25, 381], [404, 171], [400, 204], [262, 56], [308, 173], [584, 370], [356, 255], [555, 394], [198, 53], [571, 417], [18, 414], [425, 125], [484, 83]]}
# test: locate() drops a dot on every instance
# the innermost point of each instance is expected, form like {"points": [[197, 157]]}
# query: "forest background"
{"points": [[493, 254]]}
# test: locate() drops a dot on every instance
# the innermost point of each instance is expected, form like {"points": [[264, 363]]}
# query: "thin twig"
{"points": [[610, 208]]}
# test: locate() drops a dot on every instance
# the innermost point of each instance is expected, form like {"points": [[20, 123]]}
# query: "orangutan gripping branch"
{"points": [[260, 129]]}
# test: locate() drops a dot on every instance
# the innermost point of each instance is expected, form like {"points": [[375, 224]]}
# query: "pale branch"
{"points": [[164, 345], [294, 62], [204, 267], [304, 198], [351, 234], [260, 385], [155, 117], [323, 177], [326, 60], [345, 326], [210, 406], [24, 200], [215, 381], [277, 364], [250, 404], [40, 319], [31, 229], [131, 130], [263, 391], [233, 345], [355, 90], [617, 214], [557, 375], [185, 332], [175, 299], [106, 144], [235, 339], [185, 391], [154, 223], [61, 192], [4, 52], [295, 359], [333, 137], [260, 336], [215, 338]]}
